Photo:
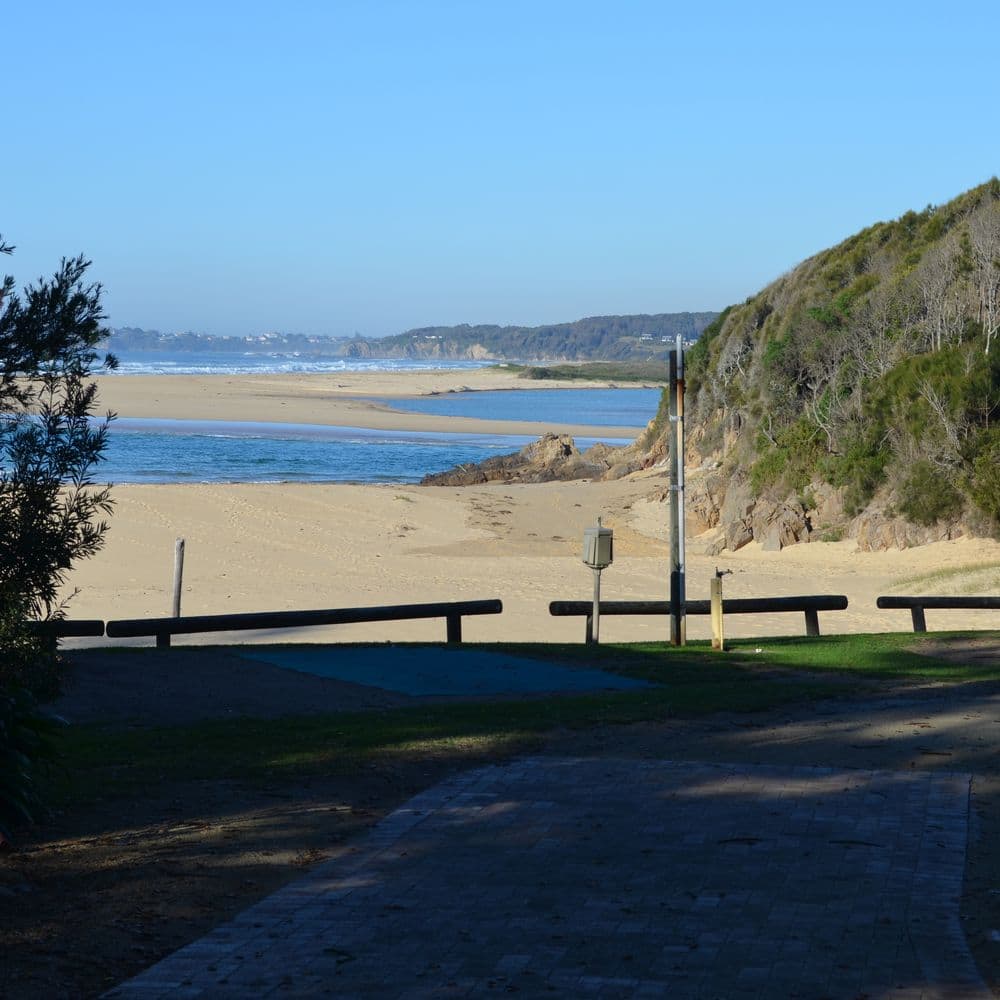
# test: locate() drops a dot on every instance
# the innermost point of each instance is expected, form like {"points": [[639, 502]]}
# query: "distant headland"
{"points": [[604, 338]]}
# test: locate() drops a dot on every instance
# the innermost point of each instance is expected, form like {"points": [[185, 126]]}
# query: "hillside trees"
{"points": [[873, 365], [984, 247]]}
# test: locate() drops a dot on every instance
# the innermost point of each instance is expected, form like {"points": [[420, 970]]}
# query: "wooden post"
{"points": [[918, 619], [718, 633], [178, 575], [812, 621]]}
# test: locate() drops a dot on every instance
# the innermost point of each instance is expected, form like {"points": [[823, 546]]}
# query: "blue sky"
{"points": [[333, 167]]}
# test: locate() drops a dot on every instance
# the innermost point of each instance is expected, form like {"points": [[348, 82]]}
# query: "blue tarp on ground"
{"points": [[432, 670]]}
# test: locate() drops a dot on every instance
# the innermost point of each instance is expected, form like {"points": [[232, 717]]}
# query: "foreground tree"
{"points": [[50, 509], [51, 512]]}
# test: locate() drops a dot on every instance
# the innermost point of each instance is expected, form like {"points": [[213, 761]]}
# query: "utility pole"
{"points": [[678, 597]]}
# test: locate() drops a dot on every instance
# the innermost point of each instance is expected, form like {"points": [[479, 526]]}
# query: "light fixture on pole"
{"points": [[598, 553]]}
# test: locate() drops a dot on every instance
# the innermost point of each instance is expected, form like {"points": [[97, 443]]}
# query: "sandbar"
{"points": [[342, 399]]}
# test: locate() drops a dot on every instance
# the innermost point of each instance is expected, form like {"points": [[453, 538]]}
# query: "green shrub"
{"points": [[26, 751], [787, 466], [26, 661], [859, 468], [984, 482], [29, 672], [768, 470], [926, 496]]}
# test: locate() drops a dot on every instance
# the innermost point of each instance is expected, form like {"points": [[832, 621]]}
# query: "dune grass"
{"points": [[969, 578]]}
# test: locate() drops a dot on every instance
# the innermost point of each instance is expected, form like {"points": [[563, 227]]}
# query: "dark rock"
{"points": [[776, 525], [551, 457], [737, 535]]}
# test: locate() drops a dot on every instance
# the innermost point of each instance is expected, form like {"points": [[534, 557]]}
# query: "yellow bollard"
{"points": [[718, 629]]}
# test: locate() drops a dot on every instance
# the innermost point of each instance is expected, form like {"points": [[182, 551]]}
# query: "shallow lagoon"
{"points": [[178, 451]]}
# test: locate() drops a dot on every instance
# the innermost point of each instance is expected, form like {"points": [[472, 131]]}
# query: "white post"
{"points": [[178, 575]]}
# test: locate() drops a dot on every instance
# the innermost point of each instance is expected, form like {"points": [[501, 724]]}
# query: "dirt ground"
{"points": [[101, 893]]}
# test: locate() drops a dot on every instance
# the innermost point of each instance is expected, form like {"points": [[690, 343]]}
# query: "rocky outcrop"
{"points": [[551, 457], [776, 525], [727, 503], [704, 500], [876, 531], [827, 504]]}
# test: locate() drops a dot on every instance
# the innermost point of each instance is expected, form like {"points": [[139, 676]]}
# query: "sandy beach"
{"points": [[344, 399], [256, 547]]}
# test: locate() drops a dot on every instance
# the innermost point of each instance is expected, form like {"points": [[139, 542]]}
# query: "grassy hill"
{"points": [[871, 371]]}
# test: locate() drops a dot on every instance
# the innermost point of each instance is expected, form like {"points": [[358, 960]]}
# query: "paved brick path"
{"points": [[611, 878]]}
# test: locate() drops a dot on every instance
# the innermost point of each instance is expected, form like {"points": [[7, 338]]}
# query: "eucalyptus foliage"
{"points": [[872, 366], [51, 512]]}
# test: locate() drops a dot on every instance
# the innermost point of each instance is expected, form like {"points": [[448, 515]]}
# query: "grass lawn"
{"points": [[753, 675]]}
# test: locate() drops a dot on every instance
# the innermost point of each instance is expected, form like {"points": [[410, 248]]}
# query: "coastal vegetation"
{"points": [[51, 513], [596, 371], [863, 387]]}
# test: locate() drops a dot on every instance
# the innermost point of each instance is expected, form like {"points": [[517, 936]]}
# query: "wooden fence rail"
{"points": [[917, 605], [164, 628], [809, 605], [62, 628]]}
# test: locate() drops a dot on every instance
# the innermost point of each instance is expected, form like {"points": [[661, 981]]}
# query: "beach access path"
{"points": [[851, 844]]}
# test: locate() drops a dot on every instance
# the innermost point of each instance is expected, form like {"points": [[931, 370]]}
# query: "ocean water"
{"points": [[190, 451], [207, 363]]}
